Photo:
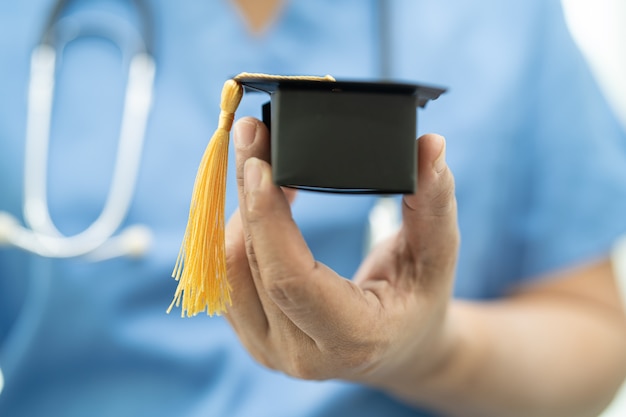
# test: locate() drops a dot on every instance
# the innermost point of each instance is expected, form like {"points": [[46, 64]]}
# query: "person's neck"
{"points": [[259, 14]]}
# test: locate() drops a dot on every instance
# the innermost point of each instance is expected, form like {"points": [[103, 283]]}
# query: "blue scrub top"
{"points": [[538, 158]]}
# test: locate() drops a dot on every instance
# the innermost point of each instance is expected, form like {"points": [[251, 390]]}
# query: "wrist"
{"points": [[430, 374]]}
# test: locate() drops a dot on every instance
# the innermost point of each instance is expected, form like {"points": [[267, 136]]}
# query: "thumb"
{"points": [[430, 214]]}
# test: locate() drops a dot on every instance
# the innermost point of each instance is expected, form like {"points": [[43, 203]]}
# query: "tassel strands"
{"points": [[201, 265]]}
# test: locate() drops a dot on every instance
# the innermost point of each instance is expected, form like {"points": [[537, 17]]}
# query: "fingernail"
{"points": [[252, 174], [440, 162], [244, 133]]}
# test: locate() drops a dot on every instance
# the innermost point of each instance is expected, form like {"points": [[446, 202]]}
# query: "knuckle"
{"points": [[356, 355], [443, 198], [283, 289], [300, 356], [234, 254], [437, 199], [250, 252], [303, 368], [360, 359], [257, 208]]}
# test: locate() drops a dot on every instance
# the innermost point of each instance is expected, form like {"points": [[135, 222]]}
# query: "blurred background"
{"points": [[599, 27]]}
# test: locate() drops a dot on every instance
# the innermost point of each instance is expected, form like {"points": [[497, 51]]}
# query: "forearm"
{"points": [[549, 354], [518, 359]]}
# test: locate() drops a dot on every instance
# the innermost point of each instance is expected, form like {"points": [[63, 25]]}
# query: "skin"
{"points": [[553, 349], [258, 14]]}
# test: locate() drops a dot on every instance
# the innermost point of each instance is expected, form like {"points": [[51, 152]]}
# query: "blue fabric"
{"points": [[538, 158]]}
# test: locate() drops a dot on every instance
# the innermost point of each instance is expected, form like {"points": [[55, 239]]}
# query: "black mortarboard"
{"points": [[343, 136]]}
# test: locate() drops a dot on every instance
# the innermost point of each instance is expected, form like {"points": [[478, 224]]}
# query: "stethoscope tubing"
{"points": [[41, 236]]}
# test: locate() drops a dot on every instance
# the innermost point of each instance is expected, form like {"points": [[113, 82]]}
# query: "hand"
{"points": [[296, 315]]}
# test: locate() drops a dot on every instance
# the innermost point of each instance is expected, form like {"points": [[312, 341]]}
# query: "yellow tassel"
{"points": [[201, 264]]}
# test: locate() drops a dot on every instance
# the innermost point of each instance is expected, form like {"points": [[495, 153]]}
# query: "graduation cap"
{"points": [[326, 135], [342, 136]]}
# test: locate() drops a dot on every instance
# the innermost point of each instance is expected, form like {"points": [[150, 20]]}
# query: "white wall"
{"points": [[599, 27]]}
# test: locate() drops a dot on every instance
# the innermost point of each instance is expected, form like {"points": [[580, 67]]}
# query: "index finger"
{"points": [[322, 304]]}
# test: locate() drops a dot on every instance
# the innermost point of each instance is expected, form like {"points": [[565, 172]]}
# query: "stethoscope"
{"points": [[99, 240]]}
